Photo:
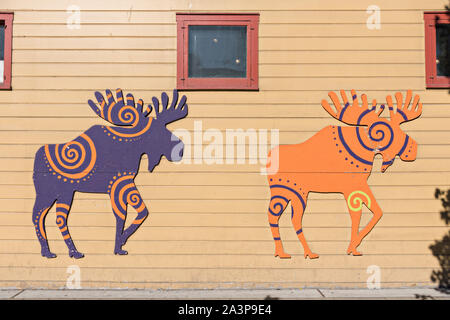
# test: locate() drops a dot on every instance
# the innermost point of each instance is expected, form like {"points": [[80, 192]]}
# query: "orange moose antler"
{"points": [[352, 114], [403, 113]]}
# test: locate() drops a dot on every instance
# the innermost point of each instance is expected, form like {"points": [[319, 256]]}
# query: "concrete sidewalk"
{"points": [[224, 294]]}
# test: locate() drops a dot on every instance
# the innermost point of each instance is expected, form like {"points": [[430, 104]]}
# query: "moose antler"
{"points": [[168, 115], [121, 114], [403, 113], [117, 112], [352, 114]]}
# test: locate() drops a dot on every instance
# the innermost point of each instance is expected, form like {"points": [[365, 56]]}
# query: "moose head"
{"points": [[158, 140], [379, 135]]}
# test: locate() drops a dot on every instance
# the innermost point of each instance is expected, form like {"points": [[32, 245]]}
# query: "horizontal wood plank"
{"points": [[127, 17], [231, 5], [340, 55], [265, 30], [265, 44], [170, 233], [274, 97], [161, 83], [68, 69]]}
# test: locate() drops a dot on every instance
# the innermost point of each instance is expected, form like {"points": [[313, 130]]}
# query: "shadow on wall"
{"points": [[441, 248]]}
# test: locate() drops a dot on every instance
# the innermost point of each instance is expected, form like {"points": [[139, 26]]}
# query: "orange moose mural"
{"points": [[339, 160]]}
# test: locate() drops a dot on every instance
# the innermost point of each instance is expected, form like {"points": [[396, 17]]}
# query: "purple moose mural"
{"points": [[105, 159]]}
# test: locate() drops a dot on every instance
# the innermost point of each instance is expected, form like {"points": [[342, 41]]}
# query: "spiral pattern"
{"points": [[123, 191], [73, 160], [126, 115], [356, 199], [277, 203], [382, 133], [71, 153], [133, 198], [62, 211], [60, 221]]}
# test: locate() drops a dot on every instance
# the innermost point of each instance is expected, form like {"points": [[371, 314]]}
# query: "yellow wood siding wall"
{"points": [[208, 223]]}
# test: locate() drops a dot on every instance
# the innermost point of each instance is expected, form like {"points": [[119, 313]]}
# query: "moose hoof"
{"points": [[282, 255], [76, 254], [354, 252], [311, 255], [121, 252], [48, 254]]}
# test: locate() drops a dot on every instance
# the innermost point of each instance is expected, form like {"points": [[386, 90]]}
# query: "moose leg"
{"points": [[355, 200], [120, 214], [277, 206], [119, 240], [355, 215], [41, 207], [298, 208], [122, 192], [62, 212], [138, 204]]}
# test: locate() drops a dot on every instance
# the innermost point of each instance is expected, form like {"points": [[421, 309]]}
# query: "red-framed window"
{"points": [[6, 20], [217, 51], [437, 44]]}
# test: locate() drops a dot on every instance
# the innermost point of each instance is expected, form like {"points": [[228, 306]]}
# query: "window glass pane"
{"points": [[2, 51], [217, 52], [442, 46]]}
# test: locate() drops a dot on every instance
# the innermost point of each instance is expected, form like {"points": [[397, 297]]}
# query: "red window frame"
{"points": [[184, 20], [431, 19], [7, 19]]}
